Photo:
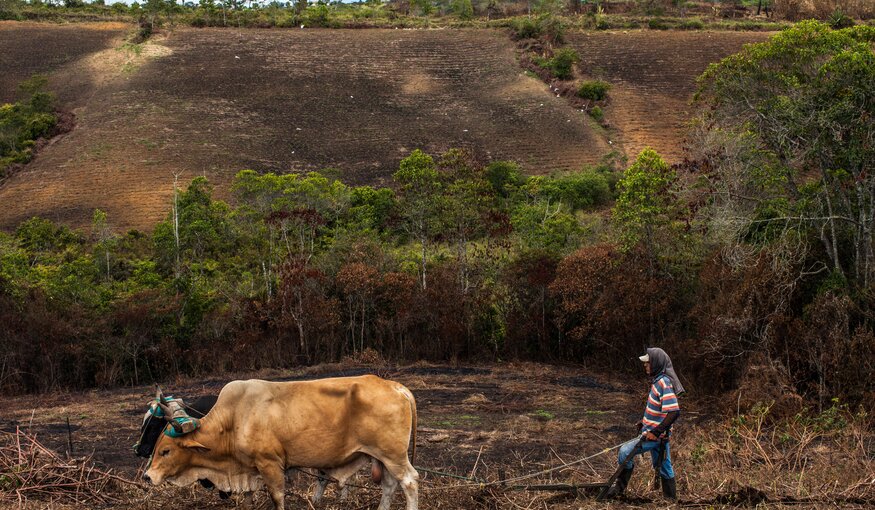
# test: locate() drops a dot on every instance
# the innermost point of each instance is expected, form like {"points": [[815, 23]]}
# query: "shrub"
{"points": [[839, 19], [23, 122], [317, 16], [463, 9], [546, 26], [526, 28], [562, 63], [692, 24], [597, 113], [657, 24], [594, 90]]}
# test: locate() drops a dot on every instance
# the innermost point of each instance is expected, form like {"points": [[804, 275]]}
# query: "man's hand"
{"points": [[650, 436]]}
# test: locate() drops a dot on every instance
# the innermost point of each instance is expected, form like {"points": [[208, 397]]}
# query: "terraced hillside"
{"points": [[653, 76], [212, 101]]}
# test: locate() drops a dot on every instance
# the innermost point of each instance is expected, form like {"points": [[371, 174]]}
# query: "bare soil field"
{"points": [[31, 48], [653, 76], [490, 422], [212, 102]]}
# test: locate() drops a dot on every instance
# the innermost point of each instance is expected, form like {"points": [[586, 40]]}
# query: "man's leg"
{"points": [[666, 473], [627, 453]]}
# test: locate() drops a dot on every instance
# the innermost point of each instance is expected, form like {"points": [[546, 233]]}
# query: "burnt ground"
{"points": [[492, 421], [653, 77], [512, 410], [516, 418], [38, 48], [215, 101]]}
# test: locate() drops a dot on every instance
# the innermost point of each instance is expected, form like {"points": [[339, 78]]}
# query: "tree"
{"points": [[802, 104], [420, 188], [645, 201], [105, 239]]}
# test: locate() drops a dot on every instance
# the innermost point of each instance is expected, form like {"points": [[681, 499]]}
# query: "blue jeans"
{"points": [[665, 470]]}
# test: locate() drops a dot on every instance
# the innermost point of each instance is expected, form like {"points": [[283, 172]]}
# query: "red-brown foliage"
{"points": [[612, 304], [531, 328]]}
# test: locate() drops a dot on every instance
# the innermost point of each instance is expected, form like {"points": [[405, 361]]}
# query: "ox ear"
{"points": [[194, 445]]}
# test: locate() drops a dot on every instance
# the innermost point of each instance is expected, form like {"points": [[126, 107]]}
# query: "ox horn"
{"points": [[159, 395], [177, 427], [168, 413]]}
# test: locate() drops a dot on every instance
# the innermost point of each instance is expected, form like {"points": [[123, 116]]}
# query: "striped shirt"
{"points": [[660, 402]]}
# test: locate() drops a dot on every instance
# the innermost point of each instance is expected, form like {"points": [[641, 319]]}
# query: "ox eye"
{"points": [[165, 452]]}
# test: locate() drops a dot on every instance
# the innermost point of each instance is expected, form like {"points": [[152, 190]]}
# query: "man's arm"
{"points": [[666, 423]]}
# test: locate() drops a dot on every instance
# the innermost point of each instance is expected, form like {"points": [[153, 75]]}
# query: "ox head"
{"points": [[162, 412], [173, 460]]}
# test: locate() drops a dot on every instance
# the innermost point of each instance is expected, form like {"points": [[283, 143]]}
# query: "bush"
{"points": [[594, 90], [463, 9], [657, 24], [562, 63], [23, 122], [692, 24], [597, 113], [546, 26], [838, 20]]}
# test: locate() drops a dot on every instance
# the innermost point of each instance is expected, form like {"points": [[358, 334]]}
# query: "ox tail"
{"points": [[412, 401]]}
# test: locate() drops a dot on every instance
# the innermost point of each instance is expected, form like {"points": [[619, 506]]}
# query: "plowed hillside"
{"points": [[653, 77], [212, 102], [30, 48]]}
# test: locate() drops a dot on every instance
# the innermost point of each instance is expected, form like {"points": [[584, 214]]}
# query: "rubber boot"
{"points": [[669, 489], [620, 485]]}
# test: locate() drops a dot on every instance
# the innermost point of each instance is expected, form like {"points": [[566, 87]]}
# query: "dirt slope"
{"points": [[653, 75], [31, 48], [212, 102]]}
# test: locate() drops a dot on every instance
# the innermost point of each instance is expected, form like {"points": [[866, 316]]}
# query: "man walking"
{"points": [[660, 413]]}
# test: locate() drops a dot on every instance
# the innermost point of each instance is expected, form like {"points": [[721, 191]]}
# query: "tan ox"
{"points": [[258, 429]]}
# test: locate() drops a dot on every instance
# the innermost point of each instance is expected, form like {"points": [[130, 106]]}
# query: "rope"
{"points": [[481, 484]]}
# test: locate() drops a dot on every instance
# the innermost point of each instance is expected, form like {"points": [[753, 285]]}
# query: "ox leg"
{"points": [[389, 484], [344, 492], [409, 480], [321, 483], [275, 480], [246, 501]]}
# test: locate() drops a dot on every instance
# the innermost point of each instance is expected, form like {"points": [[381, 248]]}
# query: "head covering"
{"points": [[660, 364]]}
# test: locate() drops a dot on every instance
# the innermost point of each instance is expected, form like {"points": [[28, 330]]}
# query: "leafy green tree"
{"points": [[463, 9], [465, 199], [198, 231], [420, 187], [545, 226], [795, 116], [645, 200], [105, 240], [505, 177]]}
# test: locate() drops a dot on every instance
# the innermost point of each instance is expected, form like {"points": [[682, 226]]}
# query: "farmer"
{"points": [[660, 413]]}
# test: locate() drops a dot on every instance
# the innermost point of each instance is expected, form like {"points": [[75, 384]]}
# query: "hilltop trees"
{"points": [[783, 111]]}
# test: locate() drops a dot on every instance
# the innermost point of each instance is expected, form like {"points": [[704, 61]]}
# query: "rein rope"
{"points": [[483, 484]]}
